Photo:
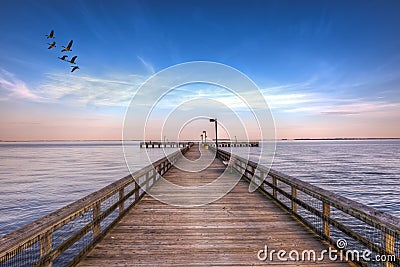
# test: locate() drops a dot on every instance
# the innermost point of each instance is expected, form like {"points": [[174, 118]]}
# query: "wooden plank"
{"points": [[227, 232]]}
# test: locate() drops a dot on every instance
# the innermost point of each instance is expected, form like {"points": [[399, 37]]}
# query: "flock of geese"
{"points": [[65, 49]]}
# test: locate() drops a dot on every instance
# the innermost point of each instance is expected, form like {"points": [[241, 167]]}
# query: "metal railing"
{"points": [[63, 237], [331, 216]]}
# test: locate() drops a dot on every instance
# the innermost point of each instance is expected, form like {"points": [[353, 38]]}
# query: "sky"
{"points": [[327, 69]]}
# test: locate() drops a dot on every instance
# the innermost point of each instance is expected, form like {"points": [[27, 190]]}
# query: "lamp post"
{"points": [[216, 132], [205, 137], [201, 138]]}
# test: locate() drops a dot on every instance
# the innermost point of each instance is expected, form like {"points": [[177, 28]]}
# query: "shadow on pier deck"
{"points": [[227, 232]]}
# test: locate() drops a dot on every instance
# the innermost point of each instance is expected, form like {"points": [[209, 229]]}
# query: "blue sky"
{"points": [[326, 68]]}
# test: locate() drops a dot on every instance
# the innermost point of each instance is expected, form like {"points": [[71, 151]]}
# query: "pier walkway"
{"points": [[227, 232]]}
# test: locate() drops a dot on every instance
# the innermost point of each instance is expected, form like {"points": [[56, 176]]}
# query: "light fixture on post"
{"points": [[201, 138], [216, 132], [205, 137]]}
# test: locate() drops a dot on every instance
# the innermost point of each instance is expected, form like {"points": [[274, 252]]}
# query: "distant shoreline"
{"points": [[355, 138], [282, 139]]}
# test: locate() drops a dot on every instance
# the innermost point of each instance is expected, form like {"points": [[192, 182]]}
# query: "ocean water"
{"points": [[38, 178], [367, 171]]}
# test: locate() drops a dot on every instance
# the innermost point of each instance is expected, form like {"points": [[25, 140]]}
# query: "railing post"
{"points": [[122, 203], [158, 172], [326, 227], [147, 181], [388, 244], [275, 184], [294, 196], [46, 246], [248, 171], [137, 191], [96, 225], [262, 179], [253, 170]]}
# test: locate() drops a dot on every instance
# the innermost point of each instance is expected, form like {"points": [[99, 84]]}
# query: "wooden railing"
{"points": [[331, 216], [66, 235]]}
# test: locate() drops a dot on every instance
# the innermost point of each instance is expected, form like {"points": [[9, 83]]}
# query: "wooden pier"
{"points": [[120, 225], [228, 232], [160, 144], [236, 144]]}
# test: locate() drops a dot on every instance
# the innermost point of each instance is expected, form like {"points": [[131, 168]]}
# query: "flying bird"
{"points": [[51, 35], [68, 48], [63, 57], [74, 68], [72, 61], [52, 45]]}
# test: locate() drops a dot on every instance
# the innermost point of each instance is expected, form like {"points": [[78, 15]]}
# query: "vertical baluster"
{"points": [[147, 180], [388, 241], [155, 177], [122, 203], [326, 227], [46, 247], [294, 195], [137, 191], [96, 225], [275, 184], [247, 171], [262, 179]]}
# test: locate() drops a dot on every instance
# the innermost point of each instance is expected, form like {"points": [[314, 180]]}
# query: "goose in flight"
{"points": [[68, 48], [51, 35], [74, 68], [63, 57], [72, 61], [52, 45]]}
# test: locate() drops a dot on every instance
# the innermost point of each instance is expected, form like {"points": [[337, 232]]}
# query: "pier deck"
{"points": [[227, 232]]}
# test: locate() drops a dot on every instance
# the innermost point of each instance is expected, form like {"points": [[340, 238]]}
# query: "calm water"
{"points": [[367, 171], [38, 178]]}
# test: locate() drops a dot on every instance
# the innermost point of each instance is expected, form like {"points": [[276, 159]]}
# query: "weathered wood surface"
{"points": [[227, 232]]}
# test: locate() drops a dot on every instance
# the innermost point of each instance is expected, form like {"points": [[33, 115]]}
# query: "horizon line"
{"points": [[181, 140]]}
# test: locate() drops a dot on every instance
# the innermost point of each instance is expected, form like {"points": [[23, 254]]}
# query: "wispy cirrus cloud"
{"points": [[147, 65], [12, 87], [327, 104], [118, 89], [358, 107], [114, 90], [109, 90]]}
